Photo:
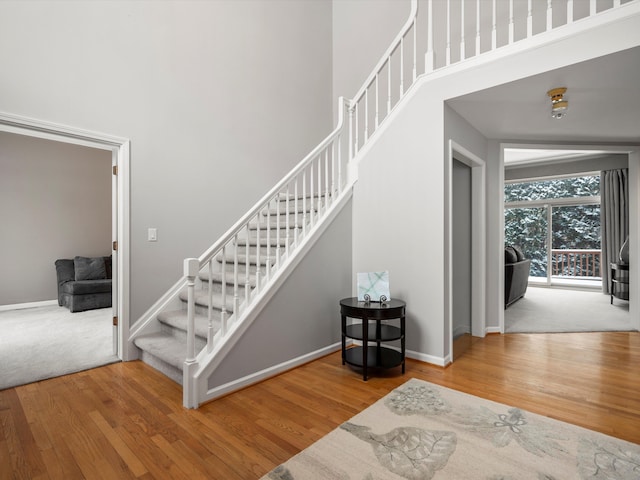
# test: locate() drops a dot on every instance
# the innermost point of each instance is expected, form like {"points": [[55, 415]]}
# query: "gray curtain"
{"points": [[614, 218]]}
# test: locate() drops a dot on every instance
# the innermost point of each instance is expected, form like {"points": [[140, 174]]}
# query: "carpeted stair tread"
{"points": [[178, 319]]}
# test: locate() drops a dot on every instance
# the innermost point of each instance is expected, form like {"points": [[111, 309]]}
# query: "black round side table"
{"points": [[374, 356]]}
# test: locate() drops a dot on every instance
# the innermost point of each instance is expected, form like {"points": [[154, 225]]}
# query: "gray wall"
{"points": [[219, 99], [55, 202]]}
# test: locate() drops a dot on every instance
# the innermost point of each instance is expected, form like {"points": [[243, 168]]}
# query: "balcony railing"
{"points": [[576, 263]]}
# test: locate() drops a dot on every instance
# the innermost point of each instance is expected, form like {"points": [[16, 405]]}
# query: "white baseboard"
{"points": [[423, 357], [268, 373], [492, 330], [21, 306]]}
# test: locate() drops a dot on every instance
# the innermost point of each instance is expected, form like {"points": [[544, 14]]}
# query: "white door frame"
{"points": [[120, 148], [633, 153], [478, 241]]}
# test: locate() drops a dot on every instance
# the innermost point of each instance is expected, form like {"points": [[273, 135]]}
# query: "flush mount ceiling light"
{"points": [[559, 105]]}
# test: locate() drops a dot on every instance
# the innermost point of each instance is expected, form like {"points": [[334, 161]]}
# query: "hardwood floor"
{"points": [[126, 420]]}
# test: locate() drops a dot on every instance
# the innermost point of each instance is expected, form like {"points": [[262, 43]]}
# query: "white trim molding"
{"points": [[478, 239]]}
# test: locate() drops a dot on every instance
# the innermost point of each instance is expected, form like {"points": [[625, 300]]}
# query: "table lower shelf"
{"points": [[382, 358]]}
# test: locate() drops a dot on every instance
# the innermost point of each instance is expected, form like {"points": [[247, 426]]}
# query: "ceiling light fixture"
{"points": [[559, 105]]}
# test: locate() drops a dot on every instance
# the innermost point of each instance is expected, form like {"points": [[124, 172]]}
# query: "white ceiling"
{"points": [[603, 95]]}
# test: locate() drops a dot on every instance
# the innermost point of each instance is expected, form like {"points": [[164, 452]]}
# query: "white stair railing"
{"points": [[246, 258]]}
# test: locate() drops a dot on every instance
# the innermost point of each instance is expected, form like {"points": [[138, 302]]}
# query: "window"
{"points": [[556, 222]]}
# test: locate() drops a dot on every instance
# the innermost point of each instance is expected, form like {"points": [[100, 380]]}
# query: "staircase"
{"points": [[257, 253], [191, 328]]}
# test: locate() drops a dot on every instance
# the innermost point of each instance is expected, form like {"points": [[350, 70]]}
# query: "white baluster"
{"points": [[357, 146], [448, 49], [278, 228], [494, 28], [388, 85], [258, 266], [511, 25], [247, 282], [592, 7], [268, 243], [376, 123], [366, 115], [569, 11], [477, 27], [326, 177], [224, 313], [333, 168], [339, 160], [191, 268], [312, 208], [210, 331], [287, 212], [616, 3], [415, 50], [462, 41], [209, 295], [295, 209], [236, 294], [319, 184], [429, 58], [530, 19], [304, 203], [351, 150], [401, 67]]}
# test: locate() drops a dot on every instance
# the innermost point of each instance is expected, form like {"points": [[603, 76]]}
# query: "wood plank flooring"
{"points": [[126, 420]]}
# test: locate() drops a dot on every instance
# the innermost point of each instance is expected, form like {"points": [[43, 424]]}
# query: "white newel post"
{"points": [[189, 389]]}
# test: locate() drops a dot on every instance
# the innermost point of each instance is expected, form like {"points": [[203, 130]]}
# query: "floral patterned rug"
{"points": [[423, 431]]}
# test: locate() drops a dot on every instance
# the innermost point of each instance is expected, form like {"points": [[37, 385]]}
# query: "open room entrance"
{"points": [[65, 202], [568, 225]]}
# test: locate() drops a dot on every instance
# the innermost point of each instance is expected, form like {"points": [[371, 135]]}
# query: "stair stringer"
{"points": [[196, 376]]}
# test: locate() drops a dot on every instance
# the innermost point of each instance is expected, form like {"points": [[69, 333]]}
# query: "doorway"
{"points": [[119, 149], [461, 260], [465, 287]]}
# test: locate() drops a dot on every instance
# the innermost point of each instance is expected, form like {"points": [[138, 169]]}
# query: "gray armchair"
{"points": [[516, 275], [84, 283]]}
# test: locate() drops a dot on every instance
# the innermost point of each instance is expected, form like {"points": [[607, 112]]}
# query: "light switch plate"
{"points": [[152, 235]]}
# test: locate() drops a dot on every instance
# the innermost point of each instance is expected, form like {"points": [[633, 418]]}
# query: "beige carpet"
{"points": [[46, 342], [554, 310], [423, 431]]}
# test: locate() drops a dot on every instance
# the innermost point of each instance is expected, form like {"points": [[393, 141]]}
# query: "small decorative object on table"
{"points": [[373, 287]]}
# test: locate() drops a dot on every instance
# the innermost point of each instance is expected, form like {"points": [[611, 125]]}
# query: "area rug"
{"points": [[45, 342], [423, 431]]}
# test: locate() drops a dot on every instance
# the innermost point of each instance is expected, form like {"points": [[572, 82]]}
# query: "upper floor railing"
{"points": [[444, 32]]}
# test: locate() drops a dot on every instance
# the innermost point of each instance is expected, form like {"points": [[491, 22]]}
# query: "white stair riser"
{"points": [[162, 366]]}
